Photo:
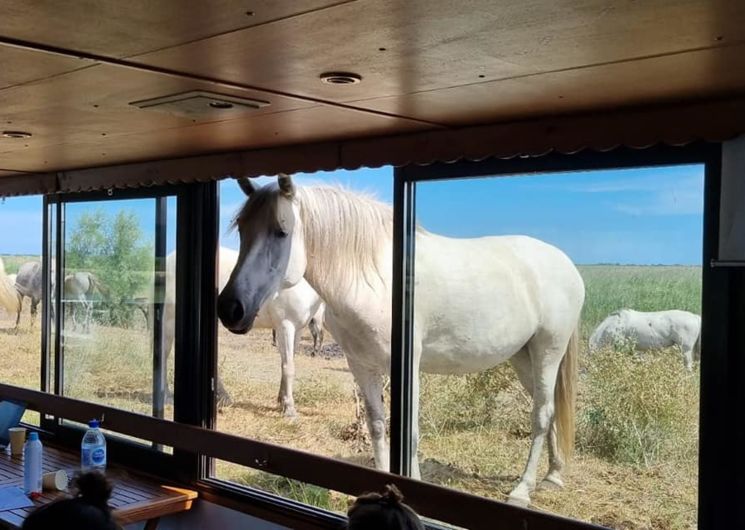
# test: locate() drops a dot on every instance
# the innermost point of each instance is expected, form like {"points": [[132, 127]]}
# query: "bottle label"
{"points": [[98, 456]]}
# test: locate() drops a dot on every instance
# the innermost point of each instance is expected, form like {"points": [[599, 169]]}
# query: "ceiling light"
{"points": [[16, 134], [340, 78]]}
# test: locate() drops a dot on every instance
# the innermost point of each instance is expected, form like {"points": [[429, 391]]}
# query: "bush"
{"points": [[639, 409], [459, 403]]}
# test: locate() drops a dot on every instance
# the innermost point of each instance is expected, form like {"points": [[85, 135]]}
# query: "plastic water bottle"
{"points": [[93, 449], [32, 455]]}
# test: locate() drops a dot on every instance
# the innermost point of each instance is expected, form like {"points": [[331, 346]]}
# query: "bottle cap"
{"points": [[93, 424], [33, 435]]}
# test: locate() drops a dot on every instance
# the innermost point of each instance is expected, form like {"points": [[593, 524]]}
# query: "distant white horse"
{"points": [[8, 294], [287, 312], [650, 331], [478, 302], [79, 290], [28, 283]]}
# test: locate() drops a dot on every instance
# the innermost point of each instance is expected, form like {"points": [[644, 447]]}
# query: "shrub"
{"points": [[638, 409], [458, 403]]}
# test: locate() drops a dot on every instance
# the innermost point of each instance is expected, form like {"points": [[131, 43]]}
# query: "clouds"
{"points": [[666, 191]]}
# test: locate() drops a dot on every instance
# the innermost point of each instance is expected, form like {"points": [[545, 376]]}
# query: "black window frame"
{"points": [[723, 303], [190, 336]]}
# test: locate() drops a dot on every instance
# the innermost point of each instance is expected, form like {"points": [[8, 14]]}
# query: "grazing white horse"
{"points": [[478, 302], [8, 294], [652, 330], [287, 312]]}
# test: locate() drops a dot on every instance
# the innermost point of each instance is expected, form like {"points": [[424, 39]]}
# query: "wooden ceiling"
{"points": [[69, 71]]}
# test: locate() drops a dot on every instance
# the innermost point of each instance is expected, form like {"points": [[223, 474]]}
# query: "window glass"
{"points": [[117, 299], [519, 278], [20, 293], [319, 409]]}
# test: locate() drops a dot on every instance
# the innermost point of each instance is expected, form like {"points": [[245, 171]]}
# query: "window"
{"points": [[473, 428], [601, 265], [21, 303], [113, 268], [287, 381]]}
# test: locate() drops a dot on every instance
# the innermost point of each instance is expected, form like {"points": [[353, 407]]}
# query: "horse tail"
{"points": [[697, 347], [565, 397], [8, 293]]}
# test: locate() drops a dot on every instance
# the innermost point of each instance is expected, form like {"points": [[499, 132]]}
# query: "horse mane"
{"points": [[343, 233]]}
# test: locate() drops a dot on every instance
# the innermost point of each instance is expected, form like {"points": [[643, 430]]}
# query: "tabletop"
{"points": [[135, 498]]}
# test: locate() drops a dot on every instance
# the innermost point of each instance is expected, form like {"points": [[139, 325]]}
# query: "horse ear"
{"points": [[247, 185], [286, 186]]}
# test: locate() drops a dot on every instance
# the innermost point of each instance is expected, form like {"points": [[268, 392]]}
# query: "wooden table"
{"points": [[134, 499]]}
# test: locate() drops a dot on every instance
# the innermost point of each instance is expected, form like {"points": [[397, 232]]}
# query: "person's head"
{"points": [[382, 511], [87, 510]]}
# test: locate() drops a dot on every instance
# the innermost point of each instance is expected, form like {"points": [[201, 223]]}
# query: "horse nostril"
{"points": [[230, 311], [236, 311]]}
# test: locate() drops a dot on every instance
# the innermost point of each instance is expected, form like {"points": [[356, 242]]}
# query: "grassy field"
{"points": [[635, 467]]}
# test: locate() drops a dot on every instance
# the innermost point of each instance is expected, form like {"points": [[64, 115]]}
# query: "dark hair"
{"points": [[87, 510], [383, 511]]}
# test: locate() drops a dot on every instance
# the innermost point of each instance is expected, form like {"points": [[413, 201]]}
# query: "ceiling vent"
{"points": [[202, 105]]}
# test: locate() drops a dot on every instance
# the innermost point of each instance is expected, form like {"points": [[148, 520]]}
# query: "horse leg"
{"points": [[274, 337], [20, 309], [286, 339], [545, 358], [524, 370], [34, 309], [371, 385], [688, 358]]}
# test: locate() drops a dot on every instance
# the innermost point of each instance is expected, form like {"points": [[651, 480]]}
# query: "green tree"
{"points": [[113, 248]]}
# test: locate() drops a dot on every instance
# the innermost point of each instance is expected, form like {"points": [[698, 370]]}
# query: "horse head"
{"points": [[272, 252]]}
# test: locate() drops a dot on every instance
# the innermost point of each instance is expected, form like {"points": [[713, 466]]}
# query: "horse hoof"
{"points": [[519, 501], [290, 413]]}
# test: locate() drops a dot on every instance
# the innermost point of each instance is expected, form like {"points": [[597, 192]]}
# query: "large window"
{"points": [[535, 292], [113, 268], [287, 380], [484, 275]]}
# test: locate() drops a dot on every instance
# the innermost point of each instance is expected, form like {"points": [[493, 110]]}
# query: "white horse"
{"points": [[8, 294], [652, 330], [478, 302], [79, 290], [287, 312], [28, 283]]}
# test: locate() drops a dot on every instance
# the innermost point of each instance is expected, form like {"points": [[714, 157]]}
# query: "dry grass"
{"points": [[474, 430]]}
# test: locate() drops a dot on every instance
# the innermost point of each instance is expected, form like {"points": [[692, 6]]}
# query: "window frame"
{"points": [[723, 300], [179, 465]]}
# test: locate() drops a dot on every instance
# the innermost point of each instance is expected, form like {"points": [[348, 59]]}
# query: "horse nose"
{"points": [[230, 311]]}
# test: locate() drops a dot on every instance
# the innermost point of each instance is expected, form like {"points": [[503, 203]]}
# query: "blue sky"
{"points": [[637, 216]]}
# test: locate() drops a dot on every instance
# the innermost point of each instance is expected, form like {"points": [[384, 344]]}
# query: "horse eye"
{"points": [[280, 233]]}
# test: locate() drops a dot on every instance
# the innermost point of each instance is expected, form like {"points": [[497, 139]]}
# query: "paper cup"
{"points": [[17, 439], [55, 480]]}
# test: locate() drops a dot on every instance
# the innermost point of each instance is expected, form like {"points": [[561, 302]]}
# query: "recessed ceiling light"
{"points": [[340, 78], [16, 134]]}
